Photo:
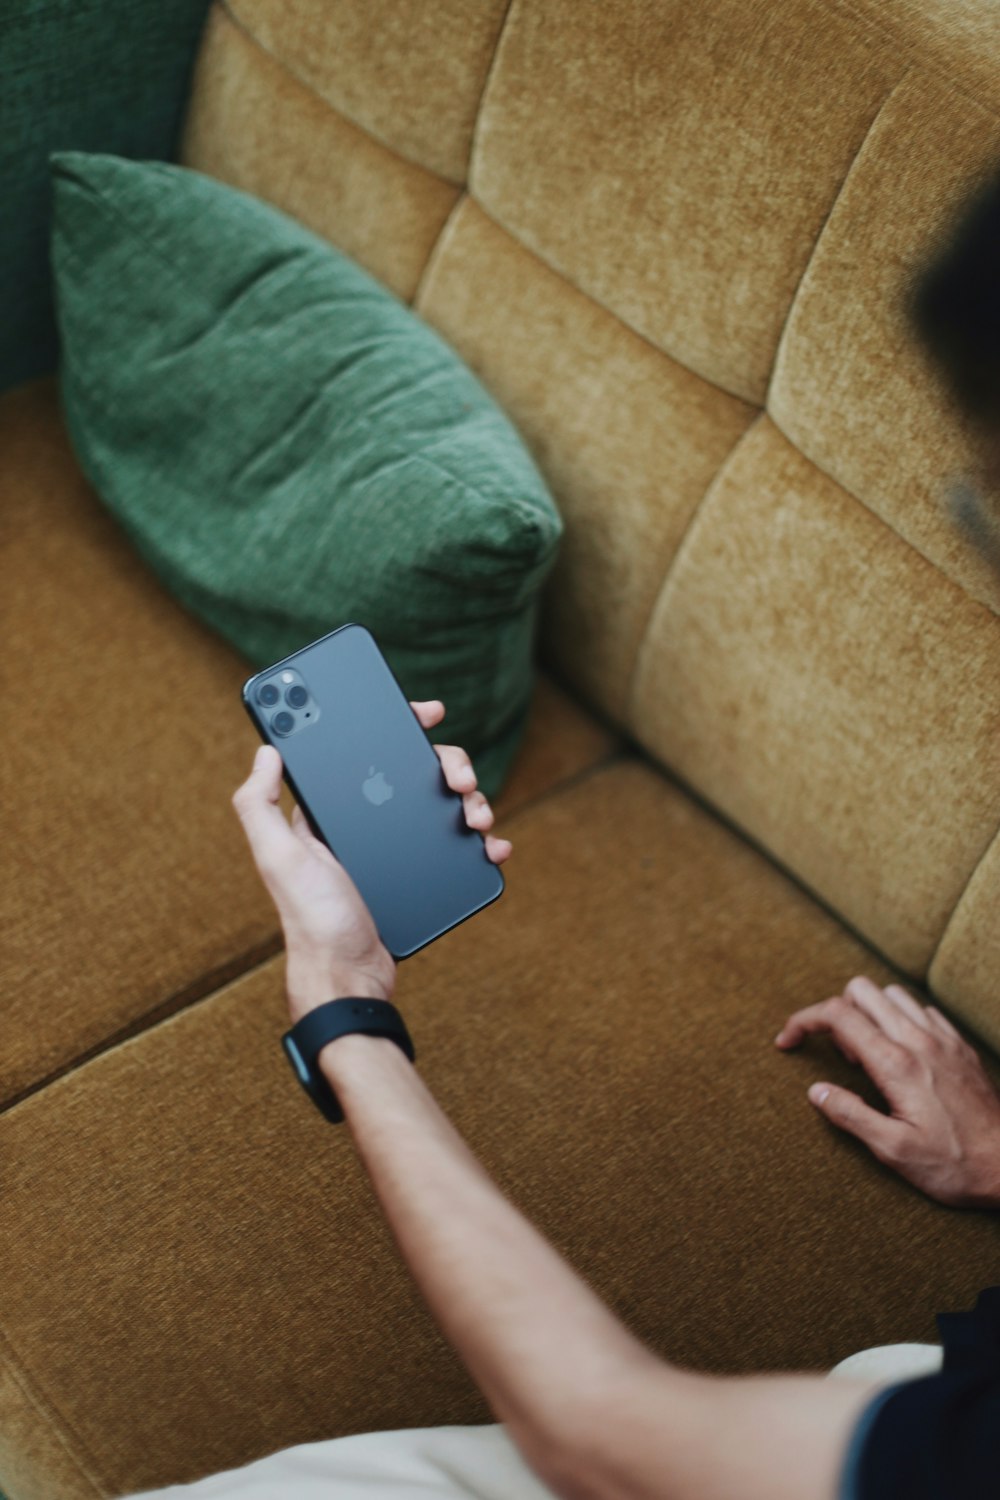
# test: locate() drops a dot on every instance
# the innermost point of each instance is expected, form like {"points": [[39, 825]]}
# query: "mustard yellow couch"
{"points": [[674, 239]]}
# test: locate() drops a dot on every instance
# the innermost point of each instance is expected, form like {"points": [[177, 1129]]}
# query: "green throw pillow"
{"points": [[290, 447]]}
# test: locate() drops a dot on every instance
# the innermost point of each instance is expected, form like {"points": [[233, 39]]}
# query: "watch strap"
{"points": [[337, 1018]]}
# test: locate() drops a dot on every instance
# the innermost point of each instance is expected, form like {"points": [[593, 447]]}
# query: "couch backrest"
{"points": [[675, 241], [112, 76]]}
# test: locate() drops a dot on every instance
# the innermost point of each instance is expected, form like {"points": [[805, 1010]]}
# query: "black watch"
{"points": [[336, 1018]]}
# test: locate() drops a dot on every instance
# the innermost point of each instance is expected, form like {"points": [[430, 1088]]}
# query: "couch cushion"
{"points": [[832, 692], [196, 1273], [851, 386], [248, 119], [408, 73], [127, 891]]}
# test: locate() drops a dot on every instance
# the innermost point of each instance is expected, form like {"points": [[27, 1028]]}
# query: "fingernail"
{"points": [[258, 758], [777, 1039], [819, 1093]]}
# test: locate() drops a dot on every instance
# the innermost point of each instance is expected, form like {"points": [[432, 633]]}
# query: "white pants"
{"points": [[432, 1463], [450, 1463]]}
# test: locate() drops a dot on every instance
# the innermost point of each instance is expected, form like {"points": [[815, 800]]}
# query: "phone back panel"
{"points": [[367, 778]]}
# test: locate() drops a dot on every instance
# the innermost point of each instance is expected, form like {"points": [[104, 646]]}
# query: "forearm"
{"points": [[540, 1346], [591, 1409]]}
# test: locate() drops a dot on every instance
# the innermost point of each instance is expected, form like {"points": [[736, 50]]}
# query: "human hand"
{"points": [[943, 1130], [331, 943]]}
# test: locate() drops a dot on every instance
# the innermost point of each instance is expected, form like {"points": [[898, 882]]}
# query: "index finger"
{"points": [[858, 1038], [429, 713], [800, 1025]]}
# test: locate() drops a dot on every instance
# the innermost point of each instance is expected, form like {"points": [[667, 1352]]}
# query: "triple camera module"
{"points": [[298, 708]]}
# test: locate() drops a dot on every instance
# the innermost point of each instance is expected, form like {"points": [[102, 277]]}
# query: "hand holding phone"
{"points": [[367, 778], [332, 945], [332, 939]]}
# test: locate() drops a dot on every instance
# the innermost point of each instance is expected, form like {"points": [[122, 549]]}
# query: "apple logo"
{"points": [[376, 788]]}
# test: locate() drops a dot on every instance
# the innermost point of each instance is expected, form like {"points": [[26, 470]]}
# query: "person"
{"points": [[588, 1412], [589, 1409]]}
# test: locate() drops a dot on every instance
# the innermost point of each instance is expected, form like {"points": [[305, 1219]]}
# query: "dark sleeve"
{"points": [[938, 1438], [932, 1439]]}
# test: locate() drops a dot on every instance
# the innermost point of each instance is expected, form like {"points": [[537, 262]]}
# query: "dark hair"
{"points": [[955, 307]]}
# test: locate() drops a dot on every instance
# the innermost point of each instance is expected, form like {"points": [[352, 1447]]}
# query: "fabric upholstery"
{"points": [[131, 893], [247, 125], [200, 1275], [965, 967], [643, 224], [703, 158], [290, 447], [627, 439], [408, 73], [95, 77], [561, 743], [851, 386], [832, 692], [35, 1460]]}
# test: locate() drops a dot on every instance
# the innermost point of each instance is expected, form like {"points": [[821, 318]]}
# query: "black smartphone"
{"points": [[369, 781]]}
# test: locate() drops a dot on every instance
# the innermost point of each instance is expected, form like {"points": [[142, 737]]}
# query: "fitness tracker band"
{"points": [[326, 1023]]}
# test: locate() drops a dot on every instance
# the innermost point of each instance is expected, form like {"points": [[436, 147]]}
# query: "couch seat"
{"points": [[197, 1273]]}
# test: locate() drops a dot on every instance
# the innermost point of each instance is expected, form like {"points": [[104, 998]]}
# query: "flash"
{"points": [[288, 676]]}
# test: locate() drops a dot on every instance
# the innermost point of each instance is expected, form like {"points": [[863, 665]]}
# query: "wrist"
{"points": [[313, 979], [984, 1188]]}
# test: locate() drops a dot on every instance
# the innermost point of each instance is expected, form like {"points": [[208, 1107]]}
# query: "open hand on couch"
{"points": [[943, 1130], [331, 943]]}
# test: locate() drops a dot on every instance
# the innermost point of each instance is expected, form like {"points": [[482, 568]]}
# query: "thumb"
{"points": [[849, 1112]]}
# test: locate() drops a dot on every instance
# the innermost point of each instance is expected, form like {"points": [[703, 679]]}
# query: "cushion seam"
{"points": [[471, 196], [779, 353], [175, 1004], [920, 53], [436, 251], [878, 516], [240, 25], [616, 755], [783, 336], [150, 1020], [487, 82], [629, 700], [991, 845], [47, 1409]]}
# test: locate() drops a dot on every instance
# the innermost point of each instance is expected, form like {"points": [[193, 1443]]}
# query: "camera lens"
{"points": [[267, 695], [283, 723], [296, 697]]}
